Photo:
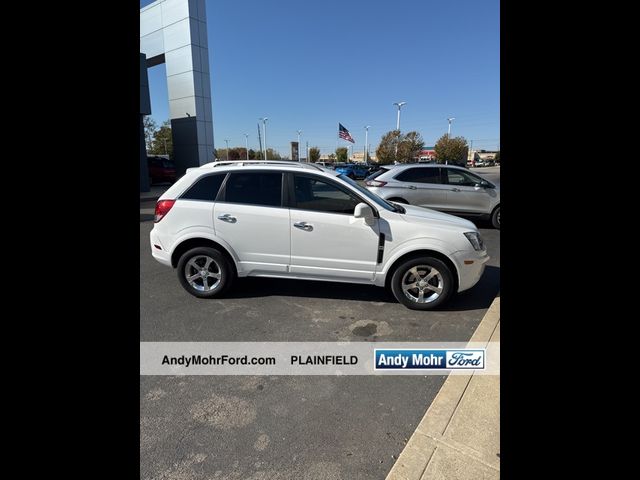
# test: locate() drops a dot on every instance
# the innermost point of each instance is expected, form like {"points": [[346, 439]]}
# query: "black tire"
{"points": [[442, 280], [216, 264], [351, 176], [495, 218], [398, 200]]}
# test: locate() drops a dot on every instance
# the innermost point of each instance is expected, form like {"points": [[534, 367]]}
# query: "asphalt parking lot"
{"points": [[256, 427]]}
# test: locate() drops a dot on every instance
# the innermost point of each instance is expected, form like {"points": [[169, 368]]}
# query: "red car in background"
{"points": [[161, 170]]}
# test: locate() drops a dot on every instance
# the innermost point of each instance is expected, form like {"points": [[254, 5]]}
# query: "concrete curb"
{"points": [[459, 435]]}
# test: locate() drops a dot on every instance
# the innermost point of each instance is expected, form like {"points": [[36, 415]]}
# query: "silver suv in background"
{"points": [[447, 188]]}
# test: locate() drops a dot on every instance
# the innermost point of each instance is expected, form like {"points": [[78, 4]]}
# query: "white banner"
{"points": [[319, 358]]}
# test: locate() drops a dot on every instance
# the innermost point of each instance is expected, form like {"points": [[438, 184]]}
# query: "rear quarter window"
{"points": [[206, 188]]}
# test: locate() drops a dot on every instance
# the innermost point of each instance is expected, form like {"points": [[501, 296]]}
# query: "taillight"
{"points": [[162, 208], [375, 183]]}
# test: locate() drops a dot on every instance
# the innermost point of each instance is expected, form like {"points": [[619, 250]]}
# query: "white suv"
{"points": [[300, 221]]}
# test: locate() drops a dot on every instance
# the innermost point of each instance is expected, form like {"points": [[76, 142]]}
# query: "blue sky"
{"points": [[309, 65]]}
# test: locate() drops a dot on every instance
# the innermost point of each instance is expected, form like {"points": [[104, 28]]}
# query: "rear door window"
{"points": [[254, 188], [420, 175]]}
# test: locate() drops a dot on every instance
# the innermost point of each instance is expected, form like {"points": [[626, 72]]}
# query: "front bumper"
{"points": [[469, 273]]}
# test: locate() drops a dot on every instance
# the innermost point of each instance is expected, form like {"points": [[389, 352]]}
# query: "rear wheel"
{"points": [[495, 218], [352, 176], [422, 283], [204, 272]]}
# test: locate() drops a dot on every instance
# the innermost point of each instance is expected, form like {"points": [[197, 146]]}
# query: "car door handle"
{"points": [[412, 187], [455, 189], [303, 226], [227, 218]]}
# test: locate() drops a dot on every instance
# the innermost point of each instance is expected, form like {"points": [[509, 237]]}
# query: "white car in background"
{"points": [[300, 221], [446, 188]]}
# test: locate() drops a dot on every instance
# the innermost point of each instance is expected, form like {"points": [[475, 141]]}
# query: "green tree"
{"points": [[150, 127], [332, 157], [342, 154], [314, 154], [497, 157], [162, 143], [273, 154], [396, 147], [452, 150], [410, 146]]}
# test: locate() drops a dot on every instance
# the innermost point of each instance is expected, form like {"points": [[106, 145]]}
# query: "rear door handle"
{"points": [[227, 218], [303, 226], [455, 189]]}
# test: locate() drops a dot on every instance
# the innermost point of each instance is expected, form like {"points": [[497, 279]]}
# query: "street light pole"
{"points": [[450, 120], [366, 143], [399, 105], [264, 134], [246, 144], [299, 132], [227, 142]]}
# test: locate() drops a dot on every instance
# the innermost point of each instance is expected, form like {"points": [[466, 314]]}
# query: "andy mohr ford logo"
{"points": [[410, 359]]}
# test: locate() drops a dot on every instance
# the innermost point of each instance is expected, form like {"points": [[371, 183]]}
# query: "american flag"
{"points": [[344, 133]]}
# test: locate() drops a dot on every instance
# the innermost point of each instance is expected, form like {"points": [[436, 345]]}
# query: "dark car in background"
{"points": [[161, 169]]}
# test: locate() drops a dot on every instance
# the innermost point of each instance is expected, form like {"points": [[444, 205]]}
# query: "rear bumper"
{"points": [[160, 254]]}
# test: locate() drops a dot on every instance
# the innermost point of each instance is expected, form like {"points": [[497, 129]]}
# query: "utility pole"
{"points": [[246, 144]]}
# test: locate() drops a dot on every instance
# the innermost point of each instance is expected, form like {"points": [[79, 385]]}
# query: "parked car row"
{"points": [[302, 221]]}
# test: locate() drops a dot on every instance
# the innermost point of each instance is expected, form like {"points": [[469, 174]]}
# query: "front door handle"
{"points": [[303, 226], [455, 189], [412, 187], [227, 218]]}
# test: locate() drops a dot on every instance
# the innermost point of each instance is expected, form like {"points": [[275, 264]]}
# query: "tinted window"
{"points": [[460, 177], [254, 188], [377, 173], [420, 175], [315, 194], [205, 189]]}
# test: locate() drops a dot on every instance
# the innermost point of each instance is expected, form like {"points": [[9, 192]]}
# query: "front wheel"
{"points": [[495, 218], [204, 272], [422, 283]]}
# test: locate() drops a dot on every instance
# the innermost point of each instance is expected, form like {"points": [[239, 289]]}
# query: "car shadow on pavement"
{"points": [[480, 296]]}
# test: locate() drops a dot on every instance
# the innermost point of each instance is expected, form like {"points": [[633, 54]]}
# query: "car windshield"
{"points": [[371, 196]]}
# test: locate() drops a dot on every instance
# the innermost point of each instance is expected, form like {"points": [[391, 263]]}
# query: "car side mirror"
{"points": [[484, 184], [363, 210]]}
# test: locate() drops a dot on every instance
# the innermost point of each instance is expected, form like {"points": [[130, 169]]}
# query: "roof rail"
{"points": [[241, 163]]}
